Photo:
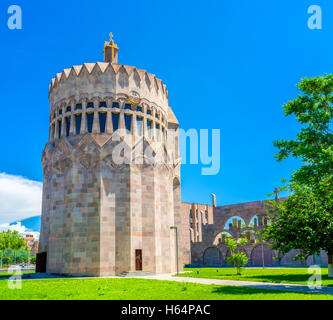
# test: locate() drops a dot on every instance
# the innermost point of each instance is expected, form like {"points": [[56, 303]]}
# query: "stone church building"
{"points": [[111, 189]]}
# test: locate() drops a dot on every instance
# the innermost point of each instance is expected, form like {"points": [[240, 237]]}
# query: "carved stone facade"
{"points": [[111, 187], [206, 227]]}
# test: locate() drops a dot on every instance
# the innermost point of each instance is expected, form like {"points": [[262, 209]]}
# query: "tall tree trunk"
{"points": [[330, 264]]}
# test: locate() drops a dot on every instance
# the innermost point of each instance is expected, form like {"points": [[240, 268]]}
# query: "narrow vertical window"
{"points": [[59, 128], [90, 120], [139, 125], [115, 121], [53, 133], [149, 128], [102, 121], [68, 109], [68, 125], [157, 131], [78, 119], [148, 111], [128, 123]]}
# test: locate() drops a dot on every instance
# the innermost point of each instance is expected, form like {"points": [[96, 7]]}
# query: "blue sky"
{"points": [[228, 65]]}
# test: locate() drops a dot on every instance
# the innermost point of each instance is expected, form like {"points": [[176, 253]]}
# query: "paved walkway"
{"points": [[251, 284]]}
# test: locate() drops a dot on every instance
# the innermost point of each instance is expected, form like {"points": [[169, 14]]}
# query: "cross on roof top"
{"points": [[276, 191]]}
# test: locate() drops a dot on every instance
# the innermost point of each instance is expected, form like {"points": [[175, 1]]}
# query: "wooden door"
{"points": [[41, 262], [138, 260]]}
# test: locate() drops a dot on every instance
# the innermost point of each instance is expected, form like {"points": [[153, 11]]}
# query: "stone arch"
{"points": [[212, 256], [218, 239], [240, 222], [256, 255]]}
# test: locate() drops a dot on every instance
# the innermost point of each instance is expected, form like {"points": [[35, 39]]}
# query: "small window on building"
{"points": [[128, 122], [78, 106], [68, 109], [149, 124], [102, 121], [90, 121], [78, 119], [115, 105], [139, 125], [157, 131], [139, 108], [115, 121], [156, 115], [59, 128], [90, 105], [60, 112], [52, 132], [128, 107], [148, 111], [102, 104], [68, 126]]}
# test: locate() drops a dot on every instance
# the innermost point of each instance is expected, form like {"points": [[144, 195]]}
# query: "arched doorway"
{"points": [[212, 257], [256, 255]]}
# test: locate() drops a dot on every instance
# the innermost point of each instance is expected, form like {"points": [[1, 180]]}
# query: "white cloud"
{"points": [[19, 228], [20, 198]]}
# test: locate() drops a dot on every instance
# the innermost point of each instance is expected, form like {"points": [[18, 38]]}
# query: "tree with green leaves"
{"points": [[237, 257], [11, 240], [305, 219]]}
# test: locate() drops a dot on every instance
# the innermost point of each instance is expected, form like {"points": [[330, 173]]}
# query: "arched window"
{"points": [[102, 121], [68, 125], [139, 125], [59, 128], [128, 122], [115, 121], [78, 119], [149, 124], [90, 121], [157, 130]]}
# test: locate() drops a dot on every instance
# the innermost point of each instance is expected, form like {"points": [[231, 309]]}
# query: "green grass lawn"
{"points": [[140, 289], [274, 275]]}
